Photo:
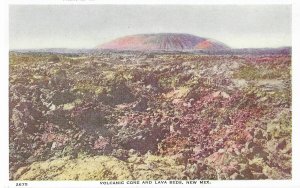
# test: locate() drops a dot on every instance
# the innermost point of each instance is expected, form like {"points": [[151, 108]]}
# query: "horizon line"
{"points": [[53, 48]]}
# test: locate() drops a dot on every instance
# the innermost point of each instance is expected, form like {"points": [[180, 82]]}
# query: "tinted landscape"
{"points": [[165, 106]]}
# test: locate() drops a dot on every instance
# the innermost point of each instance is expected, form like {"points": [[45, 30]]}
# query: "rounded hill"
{"points": [[163, 42]]}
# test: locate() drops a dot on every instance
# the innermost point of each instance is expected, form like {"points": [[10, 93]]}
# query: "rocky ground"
{"points": [[149, 116]]}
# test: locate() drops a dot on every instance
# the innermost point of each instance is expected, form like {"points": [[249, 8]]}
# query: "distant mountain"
{"points": [[163, 42], [54, 50], [250, 51], [258, 51]]}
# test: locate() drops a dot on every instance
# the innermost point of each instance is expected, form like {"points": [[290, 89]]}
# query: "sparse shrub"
{"points": [[53, 58]]}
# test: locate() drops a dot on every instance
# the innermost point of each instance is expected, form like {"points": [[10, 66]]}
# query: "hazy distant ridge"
{"points": [[245, 51]]}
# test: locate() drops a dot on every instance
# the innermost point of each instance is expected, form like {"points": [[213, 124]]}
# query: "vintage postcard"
{"points": [[150, 93]]}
